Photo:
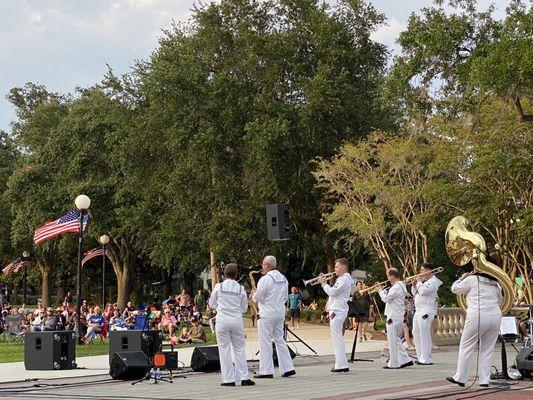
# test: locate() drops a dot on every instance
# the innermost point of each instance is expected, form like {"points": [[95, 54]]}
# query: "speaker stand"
{"points": [[354, 345]]}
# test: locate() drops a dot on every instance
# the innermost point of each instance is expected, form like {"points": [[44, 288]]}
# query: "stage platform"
{"points": [[313, 380]]}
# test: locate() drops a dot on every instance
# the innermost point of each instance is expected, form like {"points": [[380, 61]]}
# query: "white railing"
{"points": [[451, 322]]}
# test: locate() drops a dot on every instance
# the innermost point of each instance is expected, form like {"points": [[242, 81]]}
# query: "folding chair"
{"points": [[13, 327]]}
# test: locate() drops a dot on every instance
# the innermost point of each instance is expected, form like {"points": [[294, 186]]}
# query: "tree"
{"points": [[451, 62], [489, 180], [376, 191]]}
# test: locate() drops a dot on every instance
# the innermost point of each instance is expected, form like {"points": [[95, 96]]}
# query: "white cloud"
{"points": [[387, 34]]}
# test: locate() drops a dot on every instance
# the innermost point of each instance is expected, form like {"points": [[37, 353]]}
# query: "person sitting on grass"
{"points": [[184, 337], [168, 323], [196, 313], [197, 332], [95, 324]]}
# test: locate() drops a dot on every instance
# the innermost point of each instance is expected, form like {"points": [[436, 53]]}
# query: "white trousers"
{"points": [[397, 353], [422, 335], [231, 335], [271, 328], [335, 325], [489, 327]]}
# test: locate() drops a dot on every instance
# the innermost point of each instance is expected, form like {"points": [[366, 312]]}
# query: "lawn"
{"points": [[11, 351]]}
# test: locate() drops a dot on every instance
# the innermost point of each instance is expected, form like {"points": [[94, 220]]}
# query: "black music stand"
{"points": [[354, 345], [505, 335]]}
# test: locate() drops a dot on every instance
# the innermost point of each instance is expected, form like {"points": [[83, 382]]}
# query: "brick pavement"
{"points": [[366, 380]]}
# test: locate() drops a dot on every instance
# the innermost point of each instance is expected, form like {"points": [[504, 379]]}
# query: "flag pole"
{"points": [[25, 256], [82, 203]]}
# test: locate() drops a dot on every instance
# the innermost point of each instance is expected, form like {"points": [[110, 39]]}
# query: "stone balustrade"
{"points": [[451, 322]]}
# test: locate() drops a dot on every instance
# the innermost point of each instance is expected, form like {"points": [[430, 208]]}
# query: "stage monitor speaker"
{"points": [[275, 354], [149, 342], [205, 359], [51, 350], [524, 362], [278, 222], [129, 365]]}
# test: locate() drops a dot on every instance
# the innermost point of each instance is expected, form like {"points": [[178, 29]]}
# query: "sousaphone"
{"points": [[464, 245]]}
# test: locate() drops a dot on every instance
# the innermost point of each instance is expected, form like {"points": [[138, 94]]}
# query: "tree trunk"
{"points": [[121, 256], [328, 250], [46, 283], [60, 294], [166, 277], [214, 269]]}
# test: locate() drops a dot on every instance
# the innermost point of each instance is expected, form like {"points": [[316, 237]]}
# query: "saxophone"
{"points": [[464, 245], [251, 303]]}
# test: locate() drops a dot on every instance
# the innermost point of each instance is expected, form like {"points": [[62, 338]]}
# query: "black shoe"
{"points": [[450, 379], [247, 382], [259, 376], [340, 369], [421, 363], [484, 385], [228, 384], [387, 367], [407, 364], [288, 373]]}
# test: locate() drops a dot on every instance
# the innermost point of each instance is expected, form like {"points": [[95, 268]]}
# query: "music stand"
{"points": [[354, 345], [508, 332]]}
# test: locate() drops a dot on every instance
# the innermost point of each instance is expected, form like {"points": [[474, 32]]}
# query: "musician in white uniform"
{"points": [[230, 300], [425, 291], [394, 299], [271, 296], [483, 319], [339, 294]]}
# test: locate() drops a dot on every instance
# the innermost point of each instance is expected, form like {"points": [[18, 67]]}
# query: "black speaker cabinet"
{"points": [[149, 342], [275, 354], [49, 350], [278, 222], [205, 359], [524, 362], [129, 365]]}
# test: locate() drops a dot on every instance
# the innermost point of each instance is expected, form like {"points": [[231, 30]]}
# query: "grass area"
{"points": [[12, 351]]}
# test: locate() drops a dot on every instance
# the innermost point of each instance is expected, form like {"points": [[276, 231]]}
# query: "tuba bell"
{"points": [[464, 245]]}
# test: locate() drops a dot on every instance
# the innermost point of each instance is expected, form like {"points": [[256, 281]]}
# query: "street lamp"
{"points": [[25, 256], [104, 240], [82, 204]]}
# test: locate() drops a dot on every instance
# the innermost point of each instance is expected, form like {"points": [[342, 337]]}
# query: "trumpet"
{"points": [[410, 279], [374, 287], [314, 281]]}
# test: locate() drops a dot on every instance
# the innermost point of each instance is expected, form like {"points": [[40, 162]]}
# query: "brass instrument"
{"points": [[314, 281], [408, 280], [251, 303], [375, 287], [463, 245]]}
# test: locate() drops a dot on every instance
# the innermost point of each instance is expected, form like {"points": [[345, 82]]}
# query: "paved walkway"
{"points": [[366, 380]]}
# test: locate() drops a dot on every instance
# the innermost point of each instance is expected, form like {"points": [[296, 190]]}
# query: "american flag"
{"points": [[21, 265], [67, 223], [90, 254], [15, 266]]}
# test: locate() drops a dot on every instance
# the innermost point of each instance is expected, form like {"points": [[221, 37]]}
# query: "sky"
{"points": [[65, 44]]}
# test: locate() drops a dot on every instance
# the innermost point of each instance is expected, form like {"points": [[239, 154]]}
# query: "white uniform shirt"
{"points": [[426, 295], [487, 291], [230, 300], [272, 294], [394, 299], [339, 293]]}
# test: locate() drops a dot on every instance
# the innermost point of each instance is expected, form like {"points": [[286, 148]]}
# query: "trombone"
{"points": [[410, 279], [374, 287], [314, 281]]}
